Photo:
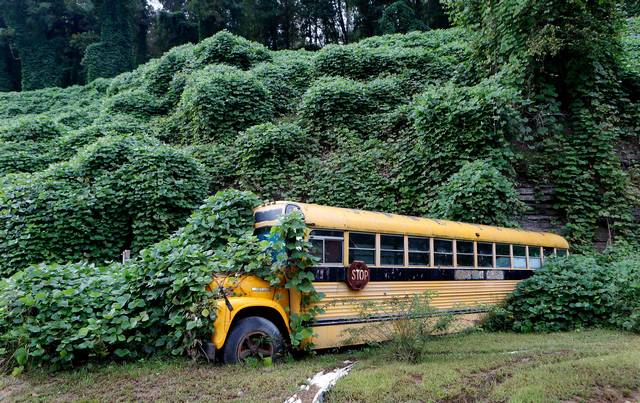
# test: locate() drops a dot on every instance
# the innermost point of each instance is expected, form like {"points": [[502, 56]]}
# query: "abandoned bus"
{"points": [[369, 257]]}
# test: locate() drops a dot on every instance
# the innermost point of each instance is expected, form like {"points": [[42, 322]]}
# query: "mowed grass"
{"points": [[165, 380], [596, 365]]}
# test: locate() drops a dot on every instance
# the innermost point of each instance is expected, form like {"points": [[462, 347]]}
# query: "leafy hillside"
{"points": [[422, 124]]}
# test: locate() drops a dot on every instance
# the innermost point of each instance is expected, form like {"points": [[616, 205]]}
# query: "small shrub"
{"points": [[332, 103], [230, 49], [31, 128], [413, 325], [353, 176], [217, 103], [478, 193], [286, 78], [136, 102], [271, 158]]}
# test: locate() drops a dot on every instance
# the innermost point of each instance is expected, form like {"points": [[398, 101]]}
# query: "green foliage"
{"points": [[355, 175], [51, 100], [119, 193], [136, 102], [478, 193], [271, 159], [115, 53], [287, 77], [219, 161], [39, 45], [626, 284], [454, 125], [159, 302], [32, 128], [566, 59], [36, 155], [158, 73], [631, 45], [63, 314], [230, 49], [217, 103], [363, 62], [486, 113], [292, 261], [590, 186], [576, 292], [336, 102]]}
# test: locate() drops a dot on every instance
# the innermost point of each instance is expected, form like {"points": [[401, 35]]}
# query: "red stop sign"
{"points": [[358, 275]]}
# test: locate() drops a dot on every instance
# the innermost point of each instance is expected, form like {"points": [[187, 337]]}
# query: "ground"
{"points": [[595, 365]]}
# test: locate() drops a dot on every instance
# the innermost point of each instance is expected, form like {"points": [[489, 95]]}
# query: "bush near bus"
{"points": [[576, 292]]}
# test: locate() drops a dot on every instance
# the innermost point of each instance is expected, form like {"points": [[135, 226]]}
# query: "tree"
{"points": [[170, 29], [215, 15], [116, 51], [39, 36], [9, 68]]}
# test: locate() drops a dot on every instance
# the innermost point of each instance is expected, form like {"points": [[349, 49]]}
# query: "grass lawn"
{"points": [[593, 365]]}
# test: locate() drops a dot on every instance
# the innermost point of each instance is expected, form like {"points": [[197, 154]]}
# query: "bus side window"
{"points": [[464, 253], [419, 251], [519, 257], [362, 247], [263, 234], [548, 252], [561, 252], [443, 252], [327, 246], [485, 254], [391, 250], [535, 261], [503, 255]]}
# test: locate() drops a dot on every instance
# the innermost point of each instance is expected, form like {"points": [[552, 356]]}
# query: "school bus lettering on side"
{"points": [[373, 257]]}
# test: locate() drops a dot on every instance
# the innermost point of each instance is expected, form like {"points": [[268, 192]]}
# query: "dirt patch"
{"points": [[12, 387], [417, 378], [478, 385], [606, 394]]}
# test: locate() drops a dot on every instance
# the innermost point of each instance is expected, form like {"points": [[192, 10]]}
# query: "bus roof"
{"points": [[318, 216]]}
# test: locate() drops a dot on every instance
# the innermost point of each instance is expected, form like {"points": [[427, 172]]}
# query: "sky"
{"points": [[155, 4]]}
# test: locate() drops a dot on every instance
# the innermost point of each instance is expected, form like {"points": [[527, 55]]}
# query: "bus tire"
{"points": [[255, 337]]}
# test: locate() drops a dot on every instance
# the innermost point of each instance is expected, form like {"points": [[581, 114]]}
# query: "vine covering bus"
{"points": [[373, 257]]}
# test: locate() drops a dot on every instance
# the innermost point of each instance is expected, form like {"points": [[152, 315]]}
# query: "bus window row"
{"points": [[407, 250]]}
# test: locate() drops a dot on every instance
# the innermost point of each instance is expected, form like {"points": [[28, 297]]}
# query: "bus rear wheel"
{"points": [[253, 338]]}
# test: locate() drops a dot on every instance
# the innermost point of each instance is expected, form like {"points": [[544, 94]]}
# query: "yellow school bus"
{"points": [[367, 256]]}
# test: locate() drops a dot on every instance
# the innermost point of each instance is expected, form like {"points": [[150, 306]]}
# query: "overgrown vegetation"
{"points": [[445, 123], [576, 292], [158, 302]]}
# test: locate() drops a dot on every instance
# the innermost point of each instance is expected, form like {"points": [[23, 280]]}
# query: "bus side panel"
{"points": [[344, 307]]}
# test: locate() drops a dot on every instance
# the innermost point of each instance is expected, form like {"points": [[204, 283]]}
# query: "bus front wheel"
{"points": [[253, 337]]}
